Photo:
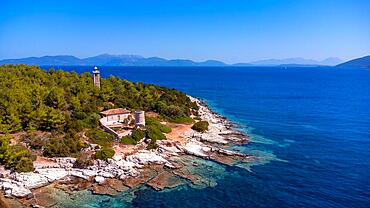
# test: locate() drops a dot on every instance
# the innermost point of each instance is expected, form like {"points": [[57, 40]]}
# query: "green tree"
{"points": [[105, 153], [54, 119], [16, 157], [55, 98]]}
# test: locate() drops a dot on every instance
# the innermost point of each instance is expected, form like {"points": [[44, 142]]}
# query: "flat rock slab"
{"points": [[145, 175], [45, 196], [9, 203], [165, 180], [104, 190], [185, 173], [226, 159], [73, 184], [116, 184]]}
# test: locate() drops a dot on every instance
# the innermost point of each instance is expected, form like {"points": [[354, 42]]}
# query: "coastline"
{"points": [[165, 167]]}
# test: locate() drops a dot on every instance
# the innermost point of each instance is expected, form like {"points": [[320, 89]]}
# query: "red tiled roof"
{"points": [[115, 111]]}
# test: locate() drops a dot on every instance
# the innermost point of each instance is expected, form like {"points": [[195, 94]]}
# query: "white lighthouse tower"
{"points": [[96, 77]]}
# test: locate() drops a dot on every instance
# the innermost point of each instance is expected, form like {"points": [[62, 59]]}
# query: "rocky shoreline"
{"points": [[161, 168]]}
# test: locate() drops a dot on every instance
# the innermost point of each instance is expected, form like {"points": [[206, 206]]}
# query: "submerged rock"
{"points": [[145, 176], [165, 180], [116, 184], [104, 190]]}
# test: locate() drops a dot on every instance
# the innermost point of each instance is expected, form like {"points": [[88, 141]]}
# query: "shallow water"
{"points": [[310, 128]]}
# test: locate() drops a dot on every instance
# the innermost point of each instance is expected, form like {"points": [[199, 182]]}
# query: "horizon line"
{"points": [[198, 61]]}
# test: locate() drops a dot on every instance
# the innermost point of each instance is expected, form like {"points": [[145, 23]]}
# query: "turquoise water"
{"points": [[310, 130]]}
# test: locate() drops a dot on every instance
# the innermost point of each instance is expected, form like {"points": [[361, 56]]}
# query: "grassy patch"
{"points": [[154, 123]]}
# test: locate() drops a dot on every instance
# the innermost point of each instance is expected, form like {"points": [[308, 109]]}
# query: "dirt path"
{"points": [[178, 131]]}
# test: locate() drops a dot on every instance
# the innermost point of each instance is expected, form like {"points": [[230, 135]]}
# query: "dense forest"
{"points": [[56, 100], [63, 104]]}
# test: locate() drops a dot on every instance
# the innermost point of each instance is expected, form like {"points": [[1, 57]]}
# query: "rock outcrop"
{"points": [[129, 169]]}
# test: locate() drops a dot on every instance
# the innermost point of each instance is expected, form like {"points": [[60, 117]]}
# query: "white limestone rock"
{"points": [[12, 189], [79, 174], [8, 193], [197, 148], [99, 179], [88, 173], [105, 174], [31, 180], [144, 157], [53, 174], [21, 192]]}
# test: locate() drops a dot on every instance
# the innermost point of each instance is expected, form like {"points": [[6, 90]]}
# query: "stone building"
{"points": [[115, 116], [116, 121], [120, 122], [139, 118]]}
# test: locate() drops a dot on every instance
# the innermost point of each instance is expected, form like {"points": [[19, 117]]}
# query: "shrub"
{"points": [[135, 136], [128, 140], [138, 135], [154, 131], [105, 153], [200, 126], [16, 157], [194, 106], [174, 111], [35, 142], [56, 148], [83, 163], [152, 145], [198, 118], [63, 147], [100, 137], [24, 165]]}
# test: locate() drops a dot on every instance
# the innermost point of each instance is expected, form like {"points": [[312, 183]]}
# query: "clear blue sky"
{"points": [[231, 31]]}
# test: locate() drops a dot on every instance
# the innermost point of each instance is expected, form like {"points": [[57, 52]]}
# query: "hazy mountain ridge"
{"points": [[359, 62], [297, 61], [109, 60], [135, 60]]}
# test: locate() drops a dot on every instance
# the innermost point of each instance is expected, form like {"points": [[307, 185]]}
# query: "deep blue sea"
{"points": [[312, 125]]}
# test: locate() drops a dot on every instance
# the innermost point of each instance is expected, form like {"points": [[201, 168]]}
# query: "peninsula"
{"points": [[68, 131]]}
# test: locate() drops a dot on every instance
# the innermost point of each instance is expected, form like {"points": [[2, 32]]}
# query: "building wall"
{"points": [[118, 118], [111, 131]]}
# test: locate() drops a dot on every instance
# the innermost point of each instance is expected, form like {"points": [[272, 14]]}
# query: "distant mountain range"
{"points": [[109, 60], [298, 61], [359, 62], [134, 60]]}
